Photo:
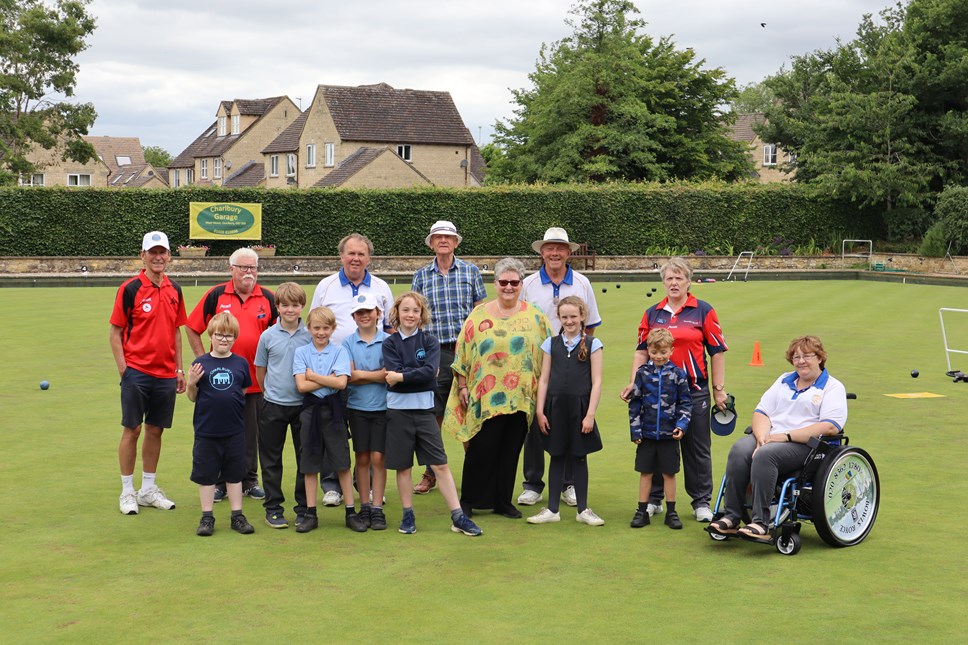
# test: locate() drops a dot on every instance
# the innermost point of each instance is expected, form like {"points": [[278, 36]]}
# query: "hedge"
{"points": [[614, 219]]}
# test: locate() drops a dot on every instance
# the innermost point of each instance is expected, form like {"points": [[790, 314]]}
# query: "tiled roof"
{"points": [[288, 139], [257, 107], [135, 176], [354, 164], [110, 148], [742, 129], [383, 114], [478, 165], [252, 173], [206, 145]]}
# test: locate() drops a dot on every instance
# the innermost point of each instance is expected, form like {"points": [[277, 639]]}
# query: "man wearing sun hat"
{"points": [[553, 281], [452, 288], [147, 347]]}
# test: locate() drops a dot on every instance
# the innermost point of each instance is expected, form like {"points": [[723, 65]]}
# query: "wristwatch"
{"points": [[719, 388], [789, 438]]}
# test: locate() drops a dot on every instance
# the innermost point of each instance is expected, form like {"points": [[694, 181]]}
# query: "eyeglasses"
{"points": [[802, 357], [246, 269], [506, 283], [223, 336]]}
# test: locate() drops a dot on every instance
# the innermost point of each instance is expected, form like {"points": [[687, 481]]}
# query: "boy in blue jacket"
{"points": [[659, 411]]}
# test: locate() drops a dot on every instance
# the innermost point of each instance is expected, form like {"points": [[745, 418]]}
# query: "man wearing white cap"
{"points": [[147, 348], [452, 288], [555, 280]]}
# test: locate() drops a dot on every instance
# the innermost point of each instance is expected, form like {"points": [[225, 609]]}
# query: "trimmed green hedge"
{"points": [[503, 220]]}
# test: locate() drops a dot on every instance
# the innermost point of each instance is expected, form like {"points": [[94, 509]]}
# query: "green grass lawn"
{"points": [[74, 569]]}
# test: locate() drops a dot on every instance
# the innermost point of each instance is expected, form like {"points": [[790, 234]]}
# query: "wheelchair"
{"points": [[837, 489]]}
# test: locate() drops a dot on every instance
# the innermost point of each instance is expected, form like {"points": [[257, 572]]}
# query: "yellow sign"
{"points": [[219, 221], [916, 395]]}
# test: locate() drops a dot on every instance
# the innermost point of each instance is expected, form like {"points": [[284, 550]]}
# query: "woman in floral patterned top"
{"points": [[497, 364]]}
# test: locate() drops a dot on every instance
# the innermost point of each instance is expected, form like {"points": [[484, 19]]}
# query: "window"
{"points": [[36, 179], [274, 166], [329, 155], [203, 168], [235, 124], [221, 126], [290, 165], [769, 154], [792, 158], [217, 168], [189, 175], [311, 155], [404, 151], [175, 179], [123, 160], [78, 180]]}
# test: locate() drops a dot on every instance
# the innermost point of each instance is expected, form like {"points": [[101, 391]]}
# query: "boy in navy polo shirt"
{"points": [[216, 384]]}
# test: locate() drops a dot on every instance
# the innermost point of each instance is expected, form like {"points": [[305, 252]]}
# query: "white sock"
{"points": [[147, 481], [127, 484]]}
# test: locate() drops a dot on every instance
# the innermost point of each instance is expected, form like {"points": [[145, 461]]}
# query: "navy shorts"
{"points": [[657, 456], [335, 453], [369, 430], [146, 398], [214, 455], [412, 432]]}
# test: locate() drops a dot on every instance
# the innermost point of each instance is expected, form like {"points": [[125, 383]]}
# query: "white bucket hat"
{"points": [[554, 234], [443, 227]]}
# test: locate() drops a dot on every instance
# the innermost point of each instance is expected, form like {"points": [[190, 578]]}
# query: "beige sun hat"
{"points": [[443, 227], [554, 234]]}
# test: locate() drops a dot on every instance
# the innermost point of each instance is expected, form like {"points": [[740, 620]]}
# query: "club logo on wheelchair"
{"points": [[849, 500]]}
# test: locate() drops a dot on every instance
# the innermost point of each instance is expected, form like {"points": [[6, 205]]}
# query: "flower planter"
{"points": [[266, 253], [192, 253]]}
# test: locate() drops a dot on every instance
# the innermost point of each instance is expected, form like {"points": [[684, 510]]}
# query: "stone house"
{"points": [[120, 163], [343, 136], [768, 159], [229, 152]]}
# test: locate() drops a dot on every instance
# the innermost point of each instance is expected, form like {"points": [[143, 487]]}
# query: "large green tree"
{"points": [[38, 44], [610, 103], [157, 156], [880, 120]]}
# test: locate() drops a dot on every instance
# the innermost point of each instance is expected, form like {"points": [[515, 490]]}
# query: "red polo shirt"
{"points": [[149, 317], [255, 314]]}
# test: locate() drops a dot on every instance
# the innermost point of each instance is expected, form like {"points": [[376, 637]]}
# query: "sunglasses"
{"points": [[505, 283]]}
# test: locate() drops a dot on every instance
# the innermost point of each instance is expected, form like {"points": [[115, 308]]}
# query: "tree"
{"points": [[880, 120], [609, 103], [157, 156], [752, 98], [38, 43]]}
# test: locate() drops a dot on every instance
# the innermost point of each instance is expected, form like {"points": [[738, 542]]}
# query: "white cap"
{"points": [[554, 234], [443, 227], [153, 239], [363, 301]]}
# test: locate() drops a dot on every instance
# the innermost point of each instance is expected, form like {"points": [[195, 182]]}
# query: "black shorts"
{"points": [[146, 398], [368, 429], [214, 455], [657, 456], [413, 431], [445, 377], [335, 453]]}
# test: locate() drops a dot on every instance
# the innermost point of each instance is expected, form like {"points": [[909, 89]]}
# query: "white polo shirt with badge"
{"points": [[790, 409], [540, 291], [337, 293]]}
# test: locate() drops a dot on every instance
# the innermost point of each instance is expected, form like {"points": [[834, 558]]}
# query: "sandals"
{"points": [[756, 532], [723, 526]]}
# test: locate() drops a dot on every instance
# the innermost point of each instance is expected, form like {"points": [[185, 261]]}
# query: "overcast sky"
{"points": [[157, 70]]}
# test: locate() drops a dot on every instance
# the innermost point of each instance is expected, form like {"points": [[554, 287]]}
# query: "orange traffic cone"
{"points": [[757, 360]]}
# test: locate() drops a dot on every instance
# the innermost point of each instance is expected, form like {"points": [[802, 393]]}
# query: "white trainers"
{"points": [[529, 497], [332, 498], [568, 496], [544, 517], [654, 509], [155, 497], [703, 514], [588, 517], [129, 503]]}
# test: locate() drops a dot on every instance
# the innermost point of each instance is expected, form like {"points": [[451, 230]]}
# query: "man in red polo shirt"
{"points": [[255, 309], [147, 348]]}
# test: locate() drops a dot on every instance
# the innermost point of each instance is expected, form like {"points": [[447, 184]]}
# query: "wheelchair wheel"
{"points": [[846, 494], [789, 545]]}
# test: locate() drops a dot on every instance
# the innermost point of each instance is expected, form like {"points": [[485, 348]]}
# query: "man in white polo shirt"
{"points": [[555, 280], [338, 292]]}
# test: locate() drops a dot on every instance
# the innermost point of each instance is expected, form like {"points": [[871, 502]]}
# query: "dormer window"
{"points": [[235, 124], [221, 126]]}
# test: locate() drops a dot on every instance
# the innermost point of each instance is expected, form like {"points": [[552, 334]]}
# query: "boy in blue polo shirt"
{"points": [[279, 414], [216, 384], [321, 370], [366, 406]]}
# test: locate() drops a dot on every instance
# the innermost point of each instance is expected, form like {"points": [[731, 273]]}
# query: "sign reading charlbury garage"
{"points": [[217, 221]]}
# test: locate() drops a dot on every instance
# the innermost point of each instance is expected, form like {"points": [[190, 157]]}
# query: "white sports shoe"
{"points": [[544, 517], [155, 497], [654, 509], [568, 496], [529, 497], [703, 514], [332, 498], [129, 503], [588, 517]]}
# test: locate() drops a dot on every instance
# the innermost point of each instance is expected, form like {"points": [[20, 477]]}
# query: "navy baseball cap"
{"points": [[723, 422]]}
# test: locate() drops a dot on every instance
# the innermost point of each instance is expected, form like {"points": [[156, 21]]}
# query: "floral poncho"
{"points": [[501, 360]]}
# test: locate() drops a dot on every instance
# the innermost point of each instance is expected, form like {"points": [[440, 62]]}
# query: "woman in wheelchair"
{"points": [[807, 402]]}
